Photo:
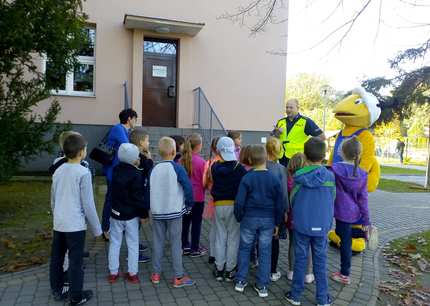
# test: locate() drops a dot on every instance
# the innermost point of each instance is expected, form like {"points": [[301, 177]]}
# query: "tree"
{"points": [[31, 29], [307, 89]]}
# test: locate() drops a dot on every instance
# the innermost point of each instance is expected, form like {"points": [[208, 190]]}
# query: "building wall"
{"points": [[242, 80]]}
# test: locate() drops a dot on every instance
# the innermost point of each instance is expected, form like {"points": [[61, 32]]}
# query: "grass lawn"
{"points": [[398, 186], [402, 171], [417, 243], [26, 224]]}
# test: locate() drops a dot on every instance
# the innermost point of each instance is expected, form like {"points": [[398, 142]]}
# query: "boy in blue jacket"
{"points": [[312, 200], [259, 208]]}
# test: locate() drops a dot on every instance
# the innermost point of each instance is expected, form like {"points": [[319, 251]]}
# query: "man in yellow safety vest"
{"points": [[294, 130]]}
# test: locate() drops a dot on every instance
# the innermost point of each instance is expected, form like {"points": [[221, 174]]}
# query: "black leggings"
{"points": [[275, 254]]}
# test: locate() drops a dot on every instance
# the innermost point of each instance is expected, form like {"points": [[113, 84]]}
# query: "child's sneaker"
{"points": [[229, 275], [329, 301], [142, 247], [290, 299], [240, 286], [200, 252], [113, 278], [144, 259], [155, 278], [290, 275], [186, 251], [219, 275], [62, 295], [309, 278], [133, 279], [338, 277], [211, 260], [85, 297], [274, 277], [185, 281], [262, 291]]}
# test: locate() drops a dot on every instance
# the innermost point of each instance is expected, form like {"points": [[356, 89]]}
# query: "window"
{"points": [[80, 81]]}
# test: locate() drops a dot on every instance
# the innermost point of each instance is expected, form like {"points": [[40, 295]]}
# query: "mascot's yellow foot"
{"points": [[358, 244]]}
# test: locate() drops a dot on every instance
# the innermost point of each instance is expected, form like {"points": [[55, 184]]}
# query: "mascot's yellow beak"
{"points": [[352, 111]]}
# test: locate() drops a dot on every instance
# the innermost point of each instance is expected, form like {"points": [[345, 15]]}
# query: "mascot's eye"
{"points": [[358, 101]]}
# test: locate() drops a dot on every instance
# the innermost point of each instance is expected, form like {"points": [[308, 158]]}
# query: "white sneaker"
{"points": [[309, 278], [274, 277], [290, 275]]}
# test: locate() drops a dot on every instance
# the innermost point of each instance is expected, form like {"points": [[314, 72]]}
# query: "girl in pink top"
{"points": [[209, 212], [194, 165]]}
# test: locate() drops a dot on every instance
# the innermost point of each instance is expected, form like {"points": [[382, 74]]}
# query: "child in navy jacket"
{"points": [[259, 207]]}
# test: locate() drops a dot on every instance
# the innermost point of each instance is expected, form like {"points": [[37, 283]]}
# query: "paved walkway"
{"points": [[395, 215], [417, 179]]}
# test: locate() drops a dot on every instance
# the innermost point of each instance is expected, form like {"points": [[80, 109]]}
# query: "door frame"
{"points": [[176, 41]]}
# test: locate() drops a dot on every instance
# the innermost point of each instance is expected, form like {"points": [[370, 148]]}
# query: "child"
{"points": [[127, 210], [297, 162], [209, 211], [312, 221], [62, 158], [194, 164], [140, 138], [237, 138], [72, 203], [171, 197], [273, 148], [179, 142], [226, 175], [350, 206], [244, 157], [259, 208]]}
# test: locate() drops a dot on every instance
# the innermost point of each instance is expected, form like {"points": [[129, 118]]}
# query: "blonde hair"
{"points": [[296, 162], [63, 137], [257, 155], [137, 135], [351, 151], [244, 155], [166, 146], [190, 144], [273, 147]]}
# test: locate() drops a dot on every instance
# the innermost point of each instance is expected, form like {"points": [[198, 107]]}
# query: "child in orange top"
{"points": [[209, 212]]}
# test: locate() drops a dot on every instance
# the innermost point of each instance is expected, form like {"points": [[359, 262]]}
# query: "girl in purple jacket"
{"points": [[350, 206]]}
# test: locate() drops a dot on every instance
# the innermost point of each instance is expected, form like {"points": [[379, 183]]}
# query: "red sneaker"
{"points": [[113, 278], [338, 277], [133, 279], [155, 278], [183, 282]]}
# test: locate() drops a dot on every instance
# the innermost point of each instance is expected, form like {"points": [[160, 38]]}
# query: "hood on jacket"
{"points": [[344, 175], [312, 176]]}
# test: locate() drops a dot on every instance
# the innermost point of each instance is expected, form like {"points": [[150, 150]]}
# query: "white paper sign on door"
{"points": [[159, 71]]}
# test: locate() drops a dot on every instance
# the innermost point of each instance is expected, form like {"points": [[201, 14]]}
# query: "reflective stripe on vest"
{"points": [[294, 142]]}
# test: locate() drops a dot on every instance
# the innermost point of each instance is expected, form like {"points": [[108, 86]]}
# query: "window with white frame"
{"points": [[80, 81]]}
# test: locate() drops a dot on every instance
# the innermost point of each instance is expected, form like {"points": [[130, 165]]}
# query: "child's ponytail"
{"points": [[351, 151], [186, 156], [190, 144]]}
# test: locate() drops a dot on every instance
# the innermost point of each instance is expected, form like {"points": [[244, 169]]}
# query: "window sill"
{"points": [[74, 94]]}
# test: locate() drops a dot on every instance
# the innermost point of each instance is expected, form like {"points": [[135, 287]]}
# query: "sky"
{"points": [[365, 51]]}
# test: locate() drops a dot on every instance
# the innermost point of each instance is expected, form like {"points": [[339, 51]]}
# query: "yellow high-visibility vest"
{"points": [[294, 142]]}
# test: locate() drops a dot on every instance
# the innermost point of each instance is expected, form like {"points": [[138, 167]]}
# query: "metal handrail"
{"points": [[198, 108]]}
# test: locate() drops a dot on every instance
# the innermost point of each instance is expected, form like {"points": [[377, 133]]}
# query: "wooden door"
{"points": [[159, 83]]}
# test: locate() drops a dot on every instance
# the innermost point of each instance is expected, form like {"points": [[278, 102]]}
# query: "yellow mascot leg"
{"points": [[358, 244]]}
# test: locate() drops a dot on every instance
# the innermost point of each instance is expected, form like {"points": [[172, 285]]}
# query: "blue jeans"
{"points": [[107, 208], [251, 229], [319, 257], [193, 220], [344, 231]]}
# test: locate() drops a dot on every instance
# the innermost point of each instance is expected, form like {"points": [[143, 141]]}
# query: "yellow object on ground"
{"points": [[358, 244]]}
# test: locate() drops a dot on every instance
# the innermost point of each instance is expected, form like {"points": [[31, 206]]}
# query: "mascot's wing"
{"points": [[368, 160]]}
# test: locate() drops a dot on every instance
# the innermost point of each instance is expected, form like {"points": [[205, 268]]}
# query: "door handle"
{"points": [[171, 92]]}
